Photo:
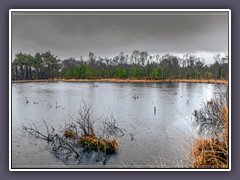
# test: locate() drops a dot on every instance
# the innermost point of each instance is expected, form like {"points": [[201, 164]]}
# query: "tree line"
{"points": [[137, 65]]}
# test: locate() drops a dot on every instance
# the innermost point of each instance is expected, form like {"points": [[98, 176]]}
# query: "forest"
{"points": [[137, 65]]}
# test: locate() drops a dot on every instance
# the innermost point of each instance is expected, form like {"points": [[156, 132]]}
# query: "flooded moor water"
{"points": [[151, 139]]}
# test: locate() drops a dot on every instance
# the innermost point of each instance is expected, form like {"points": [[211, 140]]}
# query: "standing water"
{"points": [[156, 119]]}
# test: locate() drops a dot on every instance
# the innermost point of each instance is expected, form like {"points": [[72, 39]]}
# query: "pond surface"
{"points": [[151, 139]]}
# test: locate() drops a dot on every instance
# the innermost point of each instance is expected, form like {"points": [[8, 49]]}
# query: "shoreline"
{"points": [[209, 81]]}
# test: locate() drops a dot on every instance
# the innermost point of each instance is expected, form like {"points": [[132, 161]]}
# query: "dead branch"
{"points": [[62, 143], [36, 133], [111, 126]]}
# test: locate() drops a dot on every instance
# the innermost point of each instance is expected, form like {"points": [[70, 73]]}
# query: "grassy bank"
{"points": [[35, 80], [211, 81], [212, 152]]}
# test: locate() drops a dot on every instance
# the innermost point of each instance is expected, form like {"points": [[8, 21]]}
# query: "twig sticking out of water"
{"points": [[131, 136], [57, 106], [135, 97], [26, 100], [49, 106]]}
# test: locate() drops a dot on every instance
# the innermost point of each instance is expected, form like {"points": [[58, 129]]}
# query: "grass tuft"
{"points": [[210, 153], [90, 142], [68, 133]]}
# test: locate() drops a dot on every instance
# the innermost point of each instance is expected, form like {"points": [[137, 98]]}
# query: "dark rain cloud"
{"points": [[75, 35]]}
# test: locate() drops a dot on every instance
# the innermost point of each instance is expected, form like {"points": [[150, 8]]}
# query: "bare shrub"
{"points": [[210, 118], [85, 121]]}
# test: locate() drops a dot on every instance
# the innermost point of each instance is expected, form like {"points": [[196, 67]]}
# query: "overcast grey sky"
{"points": [[75, 34]]}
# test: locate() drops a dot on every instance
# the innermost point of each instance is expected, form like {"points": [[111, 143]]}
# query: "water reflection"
{"points": [[156, 137]]}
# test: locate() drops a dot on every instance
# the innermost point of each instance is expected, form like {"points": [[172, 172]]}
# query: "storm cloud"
{"points": [[75, 34]]}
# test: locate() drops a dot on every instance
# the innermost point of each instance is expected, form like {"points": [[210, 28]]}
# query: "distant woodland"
{"points": [[137, 65]]}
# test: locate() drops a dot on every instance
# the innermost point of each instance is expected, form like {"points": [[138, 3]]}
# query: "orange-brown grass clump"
{"points": [[68, 133], [212, 152], [90, 142]]}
